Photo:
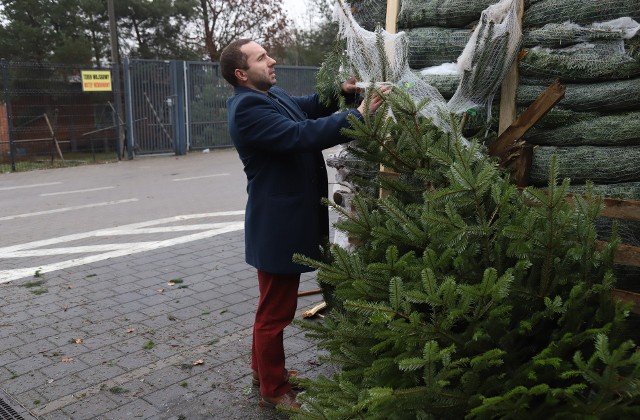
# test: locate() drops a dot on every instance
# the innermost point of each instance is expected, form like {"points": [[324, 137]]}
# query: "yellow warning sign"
{"points": [[96, 80]]}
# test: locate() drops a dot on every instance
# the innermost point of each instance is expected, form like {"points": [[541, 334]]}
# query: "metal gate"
{"points": [[177, 106], [153, 106]]}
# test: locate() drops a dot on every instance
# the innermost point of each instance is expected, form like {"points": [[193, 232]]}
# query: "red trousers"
{"points": [[276, 308]]}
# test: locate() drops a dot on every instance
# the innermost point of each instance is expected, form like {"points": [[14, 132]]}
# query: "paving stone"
{"points": [[211, 319], [31, 399], [93, 407], [21, 383], [136, 409], [167, 386], [28, 364], [56, 388], [62, 368]]}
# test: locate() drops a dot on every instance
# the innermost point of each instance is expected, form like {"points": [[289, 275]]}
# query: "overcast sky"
{"points": [[296, 10]]}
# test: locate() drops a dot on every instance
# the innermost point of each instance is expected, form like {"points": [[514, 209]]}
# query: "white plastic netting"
{"points": [[382, 57], [488, 56]]}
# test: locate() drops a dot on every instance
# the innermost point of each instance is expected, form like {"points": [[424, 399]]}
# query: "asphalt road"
{"points": [[43, 204], [59, 218]]}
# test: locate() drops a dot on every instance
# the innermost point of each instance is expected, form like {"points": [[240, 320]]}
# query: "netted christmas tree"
{"points": [[458, 295], [462, 296]]}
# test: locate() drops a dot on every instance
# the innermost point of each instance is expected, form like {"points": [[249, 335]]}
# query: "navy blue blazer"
{"points": [[280, 139]]}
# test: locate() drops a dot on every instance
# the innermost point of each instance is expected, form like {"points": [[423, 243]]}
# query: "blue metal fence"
{"points": [[47, 120], [177, 106]]}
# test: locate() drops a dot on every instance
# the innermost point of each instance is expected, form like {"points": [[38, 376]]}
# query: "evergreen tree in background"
{"points": [[463, 296]]}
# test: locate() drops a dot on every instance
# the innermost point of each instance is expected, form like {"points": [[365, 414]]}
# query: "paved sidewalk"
{"points": [[161, 334]]}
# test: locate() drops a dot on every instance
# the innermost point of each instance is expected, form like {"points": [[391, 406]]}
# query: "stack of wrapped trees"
{"points": [[592, 47]]}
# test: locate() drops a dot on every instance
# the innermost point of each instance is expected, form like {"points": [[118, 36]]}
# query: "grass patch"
{"points": [[31, 284], [149, 345], [70, 159], [39, 292], [118, 390]]}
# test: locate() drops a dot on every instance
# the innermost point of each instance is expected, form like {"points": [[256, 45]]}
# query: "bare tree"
{"points": [[261, 20]]}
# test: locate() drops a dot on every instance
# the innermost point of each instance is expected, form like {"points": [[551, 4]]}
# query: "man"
{"points": [[280, 139]]}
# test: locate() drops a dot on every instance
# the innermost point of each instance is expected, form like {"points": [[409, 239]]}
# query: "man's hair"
{"points": [[231, 59]]}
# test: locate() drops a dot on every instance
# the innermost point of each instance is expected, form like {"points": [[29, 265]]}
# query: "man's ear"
{"points": [[241, 75]]}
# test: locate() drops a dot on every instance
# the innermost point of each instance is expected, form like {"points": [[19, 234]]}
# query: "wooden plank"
{"points": [[625, 254], [310, 292], [538, 109], [617, 208], [629, 297], [621, 209], [314, 311], [508, 89], [523, 165]]}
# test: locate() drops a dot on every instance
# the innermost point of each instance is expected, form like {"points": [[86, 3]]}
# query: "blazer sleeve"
{"points": [[314, 108], [254, 121]]}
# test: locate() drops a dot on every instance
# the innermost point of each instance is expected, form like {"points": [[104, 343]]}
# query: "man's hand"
{"points": [[377, 98], [349, 87]]}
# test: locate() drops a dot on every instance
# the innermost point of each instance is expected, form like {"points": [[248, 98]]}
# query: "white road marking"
{"points": [[63, 209], [76, 191], [29, 186], [104, 252], [165, 229], [112, 231], [199, 177], [84, 249]]}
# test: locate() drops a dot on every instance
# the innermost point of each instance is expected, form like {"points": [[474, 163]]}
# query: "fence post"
{"points": [[7, 101], [128, 108], [115, 70], [177, 82]]}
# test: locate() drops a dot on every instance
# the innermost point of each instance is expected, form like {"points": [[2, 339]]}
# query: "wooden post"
{"points": [[393, 8], [54, 138], [391, 26], [508, 90]]}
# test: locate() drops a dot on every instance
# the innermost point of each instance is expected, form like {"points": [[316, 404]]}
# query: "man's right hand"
{"points": [[377, 98]]}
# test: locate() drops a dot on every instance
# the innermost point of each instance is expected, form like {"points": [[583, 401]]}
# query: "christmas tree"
{"points": [[463, 296], [459, 295]]}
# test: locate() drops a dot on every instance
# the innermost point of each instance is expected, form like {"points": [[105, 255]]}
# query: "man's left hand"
{"points": [[349, 86]]}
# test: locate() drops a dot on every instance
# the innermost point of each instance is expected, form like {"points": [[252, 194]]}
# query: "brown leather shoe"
{"points": [[255, 379], [286, 400]]}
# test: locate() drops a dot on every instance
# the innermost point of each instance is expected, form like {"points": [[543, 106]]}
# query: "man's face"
{"points": [[261, 74]]}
